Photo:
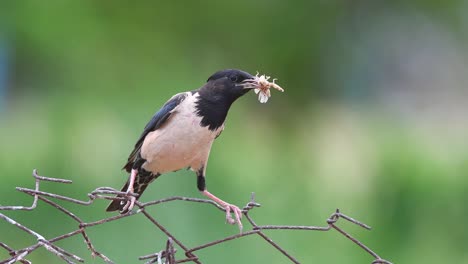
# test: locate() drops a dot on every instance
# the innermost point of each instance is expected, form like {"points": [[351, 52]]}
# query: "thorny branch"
{"points": [[167, 255]]}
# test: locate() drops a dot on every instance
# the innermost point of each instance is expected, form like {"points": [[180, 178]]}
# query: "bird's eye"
{"points": [[233, 78]]}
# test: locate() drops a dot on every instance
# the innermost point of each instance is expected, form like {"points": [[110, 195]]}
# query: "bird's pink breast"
{"points": [[180, 143]]}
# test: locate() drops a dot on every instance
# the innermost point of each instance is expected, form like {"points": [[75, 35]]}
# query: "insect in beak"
{"points": [[262, 86]]}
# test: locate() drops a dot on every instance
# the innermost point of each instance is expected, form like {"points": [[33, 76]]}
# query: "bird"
{"points": [[180, 135]]}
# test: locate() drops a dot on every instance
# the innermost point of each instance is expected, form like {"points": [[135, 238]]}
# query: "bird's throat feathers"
{"points": [[212, 108]]}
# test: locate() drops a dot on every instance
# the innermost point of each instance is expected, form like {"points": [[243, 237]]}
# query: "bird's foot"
{"points": [[128, 204], [228, 208], [237, 215], [130, 198]]}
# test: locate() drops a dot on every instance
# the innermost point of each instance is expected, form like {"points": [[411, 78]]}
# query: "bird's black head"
{"points": [[228, 83], [234, 75], [217, 95]]}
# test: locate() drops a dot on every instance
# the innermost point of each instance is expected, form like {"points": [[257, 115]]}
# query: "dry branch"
{"points": [[167, 255]]}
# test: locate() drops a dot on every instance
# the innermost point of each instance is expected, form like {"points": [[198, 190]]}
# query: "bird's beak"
{"points": [[249, 84]]}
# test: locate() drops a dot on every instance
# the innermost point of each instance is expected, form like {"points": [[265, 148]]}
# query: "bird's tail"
{"points": [[138, 187]]}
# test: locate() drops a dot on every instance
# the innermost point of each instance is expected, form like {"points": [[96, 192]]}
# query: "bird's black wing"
{"points": [[155, 123]]}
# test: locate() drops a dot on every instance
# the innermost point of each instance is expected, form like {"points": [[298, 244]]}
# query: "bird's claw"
{"points": [[237, 215], [128, 205]]}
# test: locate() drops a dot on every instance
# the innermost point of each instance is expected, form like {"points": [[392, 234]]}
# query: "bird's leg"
{"points": [[201, 185], [228, 207], [131, 199]]}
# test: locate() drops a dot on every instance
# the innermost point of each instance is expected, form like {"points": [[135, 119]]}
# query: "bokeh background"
{"points": [[373, 121]]}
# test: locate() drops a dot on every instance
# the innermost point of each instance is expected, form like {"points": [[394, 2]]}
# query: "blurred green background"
{"points": [[373, 121]]}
